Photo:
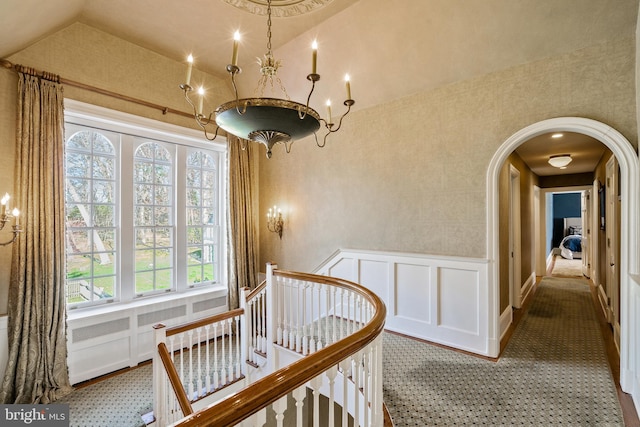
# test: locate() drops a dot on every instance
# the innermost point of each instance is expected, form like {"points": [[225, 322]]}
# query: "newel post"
{"points": [[159, 377], [245, 339], [272, 313]]}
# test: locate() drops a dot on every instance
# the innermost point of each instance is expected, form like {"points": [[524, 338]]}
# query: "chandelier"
{"points": [[265, 120]]}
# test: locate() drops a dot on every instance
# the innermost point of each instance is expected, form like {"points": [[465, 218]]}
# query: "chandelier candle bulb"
{"points": [[234, 57], [329, 111], [201, 101], [16, 213], [348, 85], [189, 67], [314, 57], [4, 201]]}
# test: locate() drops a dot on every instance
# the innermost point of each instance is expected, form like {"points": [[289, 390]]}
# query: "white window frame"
{"points": [[88, 115]]}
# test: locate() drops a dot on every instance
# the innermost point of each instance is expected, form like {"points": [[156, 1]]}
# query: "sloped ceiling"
{"points": [[391, 49]]}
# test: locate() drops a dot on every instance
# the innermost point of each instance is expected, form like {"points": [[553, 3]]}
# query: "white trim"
{"points": [[506, 318], [630, 191], [88, 114], [528, 286]]}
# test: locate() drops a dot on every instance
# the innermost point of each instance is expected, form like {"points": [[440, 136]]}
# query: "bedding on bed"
{"points": [[571, 247]]}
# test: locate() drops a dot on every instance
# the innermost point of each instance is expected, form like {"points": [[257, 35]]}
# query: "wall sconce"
{"points": [[275, 222], [6, 217]]}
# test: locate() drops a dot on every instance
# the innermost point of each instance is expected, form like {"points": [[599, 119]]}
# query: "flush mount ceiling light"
{"points": [[560, 161], [265, 120], [557, 135]]}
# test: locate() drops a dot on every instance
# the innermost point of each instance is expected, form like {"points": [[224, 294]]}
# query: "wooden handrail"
{"points": [[268, 389], [174, 379], [203, 322], [257, 290]]}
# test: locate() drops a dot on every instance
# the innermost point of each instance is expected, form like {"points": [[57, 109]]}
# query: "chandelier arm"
{"points": [[206, 134], [287, 145], [16, 230], [348, 103], [315, 135]]}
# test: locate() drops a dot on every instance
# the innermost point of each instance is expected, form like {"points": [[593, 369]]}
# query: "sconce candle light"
{"points": [[6, 217], [275, 222]]}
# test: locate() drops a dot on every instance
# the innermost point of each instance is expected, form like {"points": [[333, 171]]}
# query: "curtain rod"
{"points": [[7, 64]]}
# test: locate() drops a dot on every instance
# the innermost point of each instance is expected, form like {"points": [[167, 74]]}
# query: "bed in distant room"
{"points": [[571, 244]]}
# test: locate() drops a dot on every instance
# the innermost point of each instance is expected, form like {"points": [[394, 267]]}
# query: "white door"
{"points": [[612, 247], [586, 233]]}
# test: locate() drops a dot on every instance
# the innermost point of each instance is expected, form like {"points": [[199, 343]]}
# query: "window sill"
{"points": [[86, 312]]}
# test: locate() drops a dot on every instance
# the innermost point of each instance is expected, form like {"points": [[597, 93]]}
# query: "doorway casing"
{"points": [[629, 273]]}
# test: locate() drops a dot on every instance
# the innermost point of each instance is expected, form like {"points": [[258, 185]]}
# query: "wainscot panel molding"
{"points": [[104, 339], [437, 298]]}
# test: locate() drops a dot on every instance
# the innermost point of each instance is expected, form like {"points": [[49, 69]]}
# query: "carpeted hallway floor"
{"points": [[554, 372]]}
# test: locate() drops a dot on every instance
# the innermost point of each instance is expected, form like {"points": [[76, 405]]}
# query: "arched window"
{"points": [[91, 209]]}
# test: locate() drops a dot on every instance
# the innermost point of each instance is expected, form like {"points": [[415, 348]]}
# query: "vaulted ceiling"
{"points": [[391, 49]]}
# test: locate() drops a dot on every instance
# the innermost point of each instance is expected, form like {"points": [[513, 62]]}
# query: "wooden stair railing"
{"points": [[272, 388]]}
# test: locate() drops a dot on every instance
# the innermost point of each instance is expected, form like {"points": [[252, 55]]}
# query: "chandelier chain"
{"points": [[269, 27]]}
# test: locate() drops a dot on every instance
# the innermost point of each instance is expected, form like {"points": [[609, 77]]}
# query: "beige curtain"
{"points": [[37, 367], [243, 242]]}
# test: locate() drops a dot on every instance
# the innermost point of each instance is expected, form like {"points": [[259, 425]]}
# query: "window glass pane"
{"points": [[77, 190], [143, 216], [77, 215], [101, 144], [163, 194], [104, 167], [104, 191], [78, 164], [80, 141], [104, 216]]}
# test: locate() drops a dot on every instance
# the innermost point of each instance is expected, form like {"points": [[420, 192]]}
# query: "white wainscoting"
{"points": [[4, 344], [436, 298], [104, 339]]}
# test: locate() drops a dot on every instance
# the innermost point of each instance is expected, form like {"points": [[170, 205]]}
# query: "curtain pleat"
{"points": [[37, 369], [243, 243]]}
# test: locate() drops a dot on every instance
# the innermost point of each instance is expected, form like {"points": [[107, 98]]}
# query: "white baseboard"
{"points": [[527, 288], [506, 318]]}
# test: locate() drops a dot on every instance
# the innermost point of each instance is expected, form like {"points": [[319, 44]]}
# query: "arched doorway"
{"points": [[629, 281]]}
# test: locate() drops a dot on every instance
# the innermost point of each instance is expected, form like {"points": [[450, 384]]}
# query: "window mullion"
{"points": [[181, 219], [127, 235]]}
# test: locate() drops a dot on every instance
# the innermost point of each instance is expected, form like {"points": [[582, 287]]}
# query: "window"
{"points": [[144, 208]]}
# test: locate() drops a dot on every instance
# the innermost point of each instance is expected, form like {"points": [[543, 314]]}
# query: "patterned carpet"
{"points": [[554, 372]]}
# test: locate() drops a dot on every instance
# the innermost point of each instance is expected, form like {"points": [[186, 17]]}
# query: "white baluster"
{"points": [[305, 337], [190, 355], [279, 297], [299, 394], [287, 313], [355, 376], [345, 365], [279, 406], [315, 384], [207, 380], [264, 321], [216, 365], [321, 342], [259, 330], [238, 359], [331, 377], [293, 334], [252, 336], [230, 329], [366, 385], [199, 385]]}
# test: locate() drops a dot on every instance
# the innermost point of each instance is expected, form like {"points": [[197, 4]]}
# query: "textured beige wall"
{"points": [[84, 54], [410, 175]]}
